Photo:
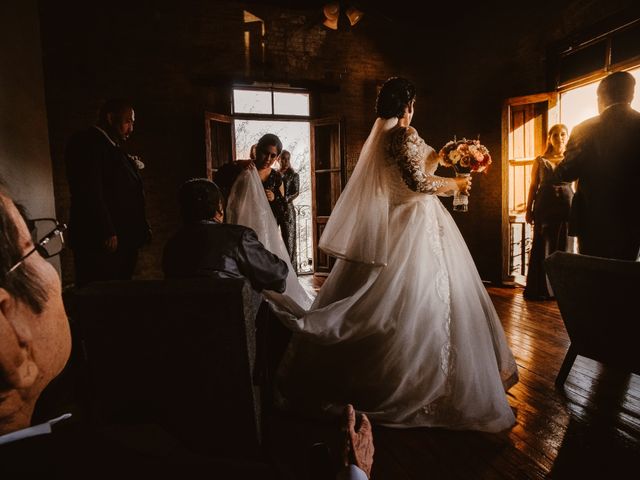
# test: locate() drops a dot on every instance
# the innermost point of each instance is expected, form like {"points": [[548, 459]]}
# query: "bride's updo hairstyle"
{"points": [[394, 96]]}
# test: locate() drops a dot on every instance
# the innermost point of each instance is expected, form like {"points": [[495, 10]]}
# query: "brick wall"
{"points": [[175, 60]]}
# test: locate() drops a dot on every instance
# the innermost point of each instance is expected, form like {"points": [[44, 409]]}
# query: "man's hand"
{"points": [[270, 196], [111, 244], [358, 444]]}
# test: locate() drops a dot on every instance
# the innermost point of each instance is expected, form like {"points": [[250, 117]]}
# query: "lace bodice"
{"points": [[417, 161]]}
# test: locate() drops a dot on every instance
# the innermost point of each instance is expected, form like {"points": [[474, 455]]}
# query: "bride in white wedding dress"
{"points": [[403, 327]]}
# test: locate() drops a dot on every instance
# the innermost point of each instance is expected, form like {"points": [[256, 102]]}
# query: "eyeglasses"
{"points": [[47, 245]]}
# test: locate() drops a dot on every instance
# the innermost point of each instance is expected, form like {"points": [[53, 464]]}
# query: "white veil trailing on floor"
{"points": [[247, 205], [358, 227]]}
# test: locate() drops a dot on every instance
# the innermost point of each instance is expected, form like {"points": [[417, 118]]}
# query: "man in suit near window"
{"points": [[603, 155], [107, 223]]}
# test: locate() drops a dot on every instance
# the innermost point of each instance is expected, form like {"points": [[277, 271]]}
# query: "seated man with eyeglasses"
{"points": [[35, 340], [35, 344]]}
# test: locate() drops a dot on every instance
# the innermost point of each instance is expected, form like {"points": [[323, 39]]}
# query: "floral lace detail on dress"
{"points": [[440, 408], [409, 152]]}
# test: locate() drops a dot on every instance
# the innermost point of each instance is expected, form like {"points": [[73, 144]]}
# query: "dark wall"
{"points": [[25, 161], [176, 60]]}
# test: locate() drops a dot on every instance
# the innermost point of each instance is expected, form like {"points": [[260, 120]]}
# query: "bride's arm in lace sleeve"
{"points": [[409, 152]]}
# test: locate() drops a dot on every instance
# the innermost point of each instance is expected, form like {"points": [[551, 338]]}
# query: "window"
{"points": [[587, 58], [270, 102], [291, 103], [252, 101]]}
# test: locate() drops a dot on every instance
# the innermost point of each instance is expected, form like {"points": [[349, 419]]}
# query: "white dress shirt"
{"points": [[352, 473]]}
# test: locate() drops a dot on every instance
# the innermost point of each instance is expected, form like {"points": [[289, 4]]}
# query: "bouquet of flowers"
{"points": [[464, 156]]}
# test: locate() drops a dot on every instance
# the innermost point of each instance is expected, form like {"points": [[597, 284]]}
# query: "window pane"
{"points": [[625, 45], [252, 101], [582, 62], [291, 103]]}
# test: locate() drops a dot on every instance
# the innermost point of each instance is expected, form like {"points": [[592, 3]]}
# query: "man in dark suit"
{"points": [[107, 219], [603, 155], [206, 247]]}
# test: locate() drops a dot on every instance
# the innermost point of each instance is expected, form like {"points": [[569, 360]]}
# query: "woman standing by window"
{"points": [[548, 208]]}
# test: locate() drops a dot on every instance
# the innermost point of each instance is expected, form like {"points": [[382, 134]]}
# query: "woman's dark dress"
{"points": [[279, 204], [291, 190], [551, 208]]}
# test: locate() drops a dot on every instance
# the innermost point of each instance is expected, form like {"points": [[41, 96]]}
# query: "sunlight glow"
{"points": [[579, 104]]}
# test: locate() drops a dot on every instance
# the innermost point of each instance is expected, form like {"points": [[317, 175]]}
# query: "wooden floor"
{"points": [[590, 429]]}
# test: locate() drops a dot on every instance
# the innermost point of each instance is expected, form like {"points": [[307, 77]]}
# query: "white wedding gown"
{"points": [[403, 327]]}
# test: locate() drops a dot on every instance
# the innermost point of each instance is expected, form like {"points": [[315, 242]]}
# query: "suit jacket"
{"points": [[107, 197], [218, 250], [604, 156]]}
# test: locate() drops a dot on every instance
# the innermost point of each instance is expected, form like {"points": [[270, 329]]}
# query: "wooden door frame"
{"points": [[332, 120], [218, 117], [553, 115]]}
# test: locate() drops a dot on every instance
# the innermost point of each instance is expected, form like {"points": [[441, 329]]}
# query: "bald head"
{"points": [[616, 88]]}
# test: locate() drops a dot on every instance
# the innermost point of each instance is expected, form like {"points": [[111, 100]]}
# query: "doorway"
{"points": [[317, 147], [295, 137], [525, 121]]}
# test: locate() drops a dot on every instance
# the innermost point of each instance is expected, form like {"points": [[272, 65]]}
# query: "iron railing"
{"points": [[304, 234], [520, 246]]}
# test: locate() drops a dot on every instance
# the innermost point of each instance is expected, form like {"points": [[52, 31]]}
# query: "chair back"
{"points": [[179, 353], [599, 299]]}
